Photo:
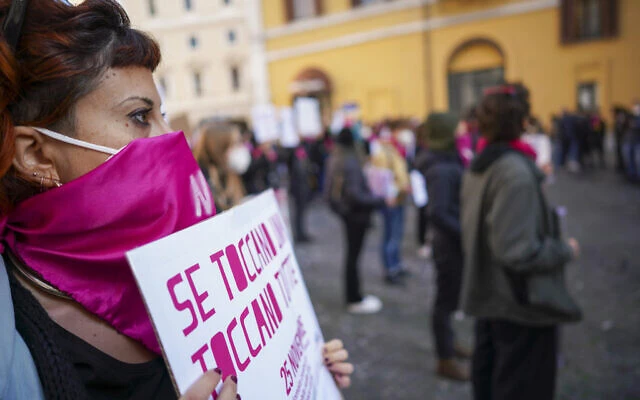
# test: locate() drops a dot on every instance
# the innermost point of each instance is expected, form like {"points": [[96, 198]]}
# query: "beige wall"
{"points": [[210, 22]]}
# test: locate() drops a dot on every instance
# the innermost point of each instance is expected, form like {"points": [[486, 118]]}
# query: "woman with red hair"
{"points": [[87, 172]]}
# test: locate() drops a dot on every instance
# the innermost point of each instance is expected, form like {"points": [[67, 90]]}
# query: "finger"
{"points": [[335, 344], [203, 387], [341, 368], [229, 389], [336, 356], [343, 381]]}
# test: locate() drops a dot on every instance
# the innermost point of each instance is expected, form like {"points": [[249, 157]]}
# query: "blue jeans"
{"points": [[631, 155], [392, 239]]}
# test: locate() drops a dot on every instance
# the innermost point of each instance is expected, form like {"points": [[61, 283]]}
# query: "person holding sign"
{"points": [[87, 174]]}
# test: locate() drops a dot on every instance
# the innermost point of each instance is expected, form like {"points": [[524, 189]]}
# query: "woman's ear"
{"points": [[30, 159]]}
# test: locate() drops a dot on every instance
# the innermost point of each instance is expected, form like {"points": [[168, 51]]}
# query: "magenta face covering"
{"points": [[76, 235]]}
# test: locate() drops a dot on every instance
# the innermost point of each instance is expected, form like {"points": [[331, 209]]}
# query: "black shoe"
{"points": [[395, 279]]}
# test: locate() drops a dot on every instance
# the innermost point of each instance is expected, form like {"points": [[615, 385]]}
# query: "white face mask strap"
{"points": [[76, 142]]}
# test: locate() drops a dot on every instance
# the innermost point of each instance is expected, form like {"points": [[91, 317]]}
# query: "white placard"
{"points": [[228, 293], [418, 189], [338, 121], [308, 117], [265, 123], [289, 137], [381, 182]]}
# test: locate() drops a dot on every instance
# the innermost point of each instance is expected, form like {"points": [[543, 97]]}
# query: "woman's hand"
{"points": [[335, 357], [205, 386]]}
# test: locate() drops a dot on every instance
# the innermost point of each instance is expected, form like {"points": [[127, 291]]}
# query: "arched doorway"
{"points": [[473, 66], [313, 82]]}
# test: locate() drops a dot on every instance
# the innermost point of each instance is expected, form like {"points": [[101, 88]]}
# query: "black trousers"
{"points": [[355, 230], [513, 361], [423, 225], [448, 262], [300, 211]]}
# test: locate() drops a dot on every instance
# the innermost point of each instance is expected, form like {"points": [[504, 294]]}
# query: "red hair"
{"points": [[62, 53]]}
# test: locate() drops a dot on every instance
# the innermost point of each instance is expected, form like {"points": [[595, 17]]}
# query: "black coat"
{"points": [[356, 197], [443, 174]]}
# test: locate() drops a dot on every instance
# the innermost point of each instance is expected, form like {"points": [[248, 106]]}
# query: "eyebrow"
{"points": [[146, 100]]}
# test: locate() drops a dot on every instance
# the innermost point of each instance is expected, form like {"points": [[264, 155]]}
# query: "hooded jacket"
{"points": [[509, 235]]}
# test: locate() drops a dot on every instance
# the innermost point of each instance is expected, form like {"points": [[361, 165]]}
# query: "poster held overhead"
{"points": [[308, 117], [265, 123], [228, 293], [289, 138]]}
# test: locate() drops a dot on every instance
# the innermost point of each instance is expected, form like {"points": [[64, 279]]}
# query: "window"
{"points": [[466, 88], [193, 42], [197, 83], [584, 20], [152, 7], [226, 2], [356, 3], [235, 79], [187, 5], [231, 35], [587, 96], [300, 9]]}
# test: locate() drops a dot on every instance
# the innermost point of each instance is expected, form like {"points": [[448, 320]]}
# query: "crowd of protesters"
{"points": [[495, 241]]}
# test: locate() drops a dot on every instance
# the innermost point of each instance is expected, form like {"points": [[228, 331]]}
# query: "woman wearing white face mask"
{"points": [[223, 158]]}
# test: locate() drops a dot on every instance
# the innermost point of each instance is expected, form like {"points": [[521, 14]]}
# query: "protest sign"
{"points": [[381, 182], [308, 117], [418, 189], [265, 123], [289, 136], [228, 293]]}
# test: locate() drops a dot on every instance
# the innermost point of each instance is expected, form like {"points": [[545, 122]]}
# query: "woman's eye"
{"points": [[140, 117]]}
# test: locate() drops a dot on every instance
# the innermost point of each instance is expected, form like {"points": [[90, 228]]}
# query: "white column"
{"points": [[258, 56]]}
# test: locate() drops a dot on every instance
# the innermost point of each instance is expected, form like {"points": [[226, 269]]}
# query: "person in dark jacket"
{"points": [[515, 257], [620, 126], [443, 172], [350, 197]]}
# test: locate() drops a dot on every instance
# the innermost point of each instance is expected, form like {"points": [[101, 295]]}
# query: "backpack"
{"points": [[334, 187]]}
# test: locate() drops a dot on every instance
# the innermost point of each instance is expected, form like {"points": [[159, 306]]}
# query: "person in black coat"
{"points": [[442, 169], [350, 197]]}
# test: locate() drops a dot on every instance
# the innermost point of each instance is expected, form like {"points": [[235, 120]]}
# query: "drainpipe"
{"points": [[425, 6]]}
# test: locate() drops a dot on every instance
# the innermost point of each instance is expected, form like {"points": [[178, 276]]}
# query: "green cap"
{"points": [[440, 130]]}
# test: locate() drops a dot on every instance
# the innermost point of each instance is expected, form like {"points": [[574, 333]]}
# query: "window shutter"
{"points": [[567, 21], [610, 18], [319, 8], [288, 10]]}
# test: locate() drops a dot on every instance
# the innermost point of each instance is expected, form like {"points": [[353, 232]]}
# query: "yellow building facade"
{"points": [[409, 57]]}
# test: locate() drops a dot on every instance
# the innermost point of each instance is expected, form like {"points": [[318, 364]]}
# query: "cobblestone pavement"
{"points": [[393, 350]]}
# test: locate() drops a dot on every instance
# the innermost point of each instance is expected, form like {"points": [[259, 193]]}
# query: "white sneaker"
{"points": [[424, 252], [368, 305]]}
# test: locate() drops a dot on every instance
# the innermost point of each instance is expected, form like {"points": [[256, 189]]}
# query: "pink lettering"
{"points": [[181, 306], [242, 365], [215, 258], [199, 297]]}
